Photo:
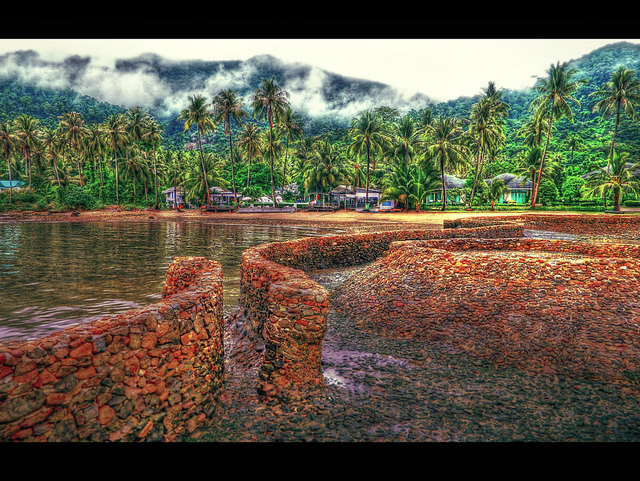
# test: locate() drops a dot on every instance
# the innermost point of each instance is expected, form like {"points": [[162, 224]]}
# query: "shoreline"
{"points": [[341, 218]]}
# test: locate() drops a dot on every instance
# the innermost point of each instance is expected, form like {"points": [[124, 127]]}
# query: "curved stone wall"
{"points": [[623, 225], [541, 306], [287, 311], [150, 374]]}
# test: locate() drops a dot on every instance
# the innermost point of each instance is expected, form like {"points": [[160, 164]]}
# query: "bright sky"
{"points": [[442, 69]]}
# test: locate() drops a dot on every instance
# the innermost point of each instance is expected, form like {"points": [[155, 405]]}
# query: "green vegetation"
{"points": [[72, 152]]}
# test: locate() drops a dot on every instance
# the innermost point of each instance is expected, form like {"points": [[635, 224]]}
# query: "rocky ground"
{"points": [[384, 390]]}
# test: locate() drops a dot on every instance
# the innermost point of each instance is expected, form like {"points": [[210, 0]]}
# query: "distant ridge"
{"points": [[163, 86]]}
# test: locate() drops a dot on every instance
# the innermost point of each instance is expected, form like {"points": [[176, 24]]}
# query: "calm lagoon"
{"points": [[55, 275]]}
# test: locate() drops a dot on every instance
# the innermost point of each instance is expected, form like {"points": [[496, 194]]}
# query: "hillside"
{"points": [[162, 86]]}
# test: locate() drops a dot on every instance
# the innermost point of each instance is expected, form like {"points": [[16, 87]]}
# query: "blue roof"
{"points": [[4, 184]]}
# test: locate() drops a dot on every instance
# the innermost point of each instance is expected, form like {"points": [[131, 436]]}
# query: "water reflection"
{"points": [[55, 275]]}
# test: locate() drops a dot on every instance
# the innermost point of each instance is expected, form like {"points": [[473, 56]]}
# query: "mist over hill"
{"points": [[163, 86]]}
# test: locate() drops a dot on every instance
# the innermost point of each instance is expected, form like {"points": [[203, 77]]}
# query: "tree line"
{"points": [[259, 147]]}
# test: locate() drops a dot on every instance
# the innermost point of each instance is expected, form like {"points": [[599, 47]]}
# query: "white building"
{"points": [[174, 197]]}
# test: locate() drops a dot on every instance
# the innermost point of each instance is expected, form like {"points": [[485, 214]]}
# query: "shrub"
{"points": [[572, 188], [76, 197]]}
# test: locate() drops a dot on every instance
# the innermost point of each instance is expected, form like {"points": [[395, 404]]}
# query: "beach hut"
{"points": [[354, 198], [450, 182], [14, 184], [222, 197], [174, 197], [518, 187]]}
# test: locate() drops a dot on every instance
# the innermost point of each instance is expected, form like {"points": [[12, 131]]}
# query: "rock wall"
{"points": [[585, 224], [287, 311], [151, 374], [623, 225], [541, 306]]}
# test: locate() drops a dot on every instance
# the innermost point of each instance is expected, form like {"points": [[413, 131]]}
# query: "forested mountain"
{"points": [[44, 89], [40, 88]]}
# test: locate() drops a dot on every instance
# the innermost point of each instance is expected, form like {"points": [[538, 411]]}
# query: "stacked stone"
{"points": [[353, 249], [583, 224], [150, 374], [286, 310], [541, 306], [297, 323], [623, 225]]}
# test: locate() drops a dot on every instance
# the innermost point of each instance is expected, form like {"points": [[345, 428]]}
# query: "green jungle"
{"points": [[574, 137]]}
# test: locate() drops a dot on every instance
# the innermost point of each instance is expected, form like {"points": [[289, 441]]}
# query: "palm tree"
{"points": [[154, 135], [574, 142], [251, 143], [273, 147], [227, 106], [270, 103], [9, 140], [446, 147], [533, 131], [368, 138], [425, 119], [73, 131], [197, 114], [497, 189], [38, 157], [556, 91], [94, 145], [29, 134], [487, 129], [304, 151], [620, 94], [620, 177], [174, 164], [290, 126], [116, 133], [406, 139], [325, 170], [202, 176], [528, 165], [50, 141], [409, 183], [134, 169], [137, 124]]}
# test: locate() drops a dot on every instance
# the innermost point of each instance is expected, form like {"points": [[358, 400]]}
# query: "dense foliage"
{"points": [[72, 151]]}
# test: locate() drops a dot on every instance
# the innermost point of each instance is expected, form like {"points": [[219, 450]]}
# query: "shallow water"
{"points": [[55, 275]]}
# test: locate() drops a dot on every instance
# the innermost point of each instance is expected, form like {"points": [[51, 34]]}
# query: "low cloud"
{"points": [[142, 82]]}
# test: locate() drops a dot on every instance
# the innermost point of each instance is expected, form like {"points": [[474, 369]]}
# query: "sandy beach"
{"points": [[342, 218]]}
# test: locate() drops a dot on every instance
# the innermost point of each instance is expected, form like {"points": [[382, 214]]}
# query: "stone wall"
{"points": [[288, 311], [540, 306], [586, 224], [151, 374], [624, 225]]}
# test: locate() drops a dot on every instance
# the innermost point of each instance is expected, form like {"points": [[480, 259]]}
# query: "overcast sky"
{"points": [[442, 69]]}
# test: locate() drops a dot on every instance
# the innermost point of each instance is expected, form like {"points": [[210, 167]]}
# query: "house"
{"points": [[354, 198], [627, 166], [174, 197], [220, 196], [450, 182], [517, 188], [6, 185]]}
